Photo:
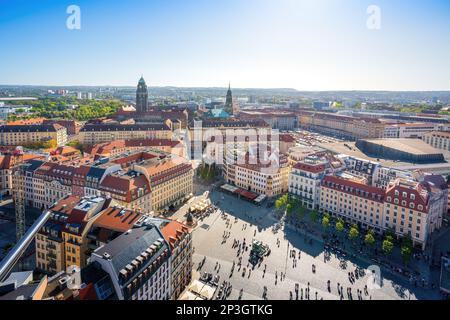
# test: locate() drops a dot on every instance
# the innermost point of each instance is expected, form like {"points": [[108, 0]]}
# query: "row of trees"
{"points": [[293, 206], [49, 144], [387, 244]]}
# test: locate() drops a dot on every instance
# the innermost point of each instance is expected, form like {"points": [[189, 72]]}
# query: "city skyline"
{"points": [[308, 46]]}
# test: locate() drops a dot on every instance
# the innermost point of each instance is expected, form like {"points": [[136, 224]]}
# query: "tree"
{"points": [[50, 144], [389, 234], [406, 254], [289, 208], [387, 247], [369, 239], [278, 204], [326, 222], [301, 210], [353, 233], [340, 226], [76, 144], [406, 249], [407, 241], [314, 216], [282, 202]]}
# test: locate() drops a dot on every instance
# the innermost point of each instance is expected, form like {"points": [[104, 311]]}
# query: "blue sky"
{"points": [[301, 44]]}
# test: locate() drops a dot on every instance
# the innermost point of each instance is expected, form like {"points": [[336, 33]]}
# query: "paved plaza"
{"points": [[255, 222]]}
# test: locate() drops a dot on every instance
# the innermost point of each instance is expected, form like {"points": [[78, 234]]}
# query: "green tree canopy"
{"points": [[353, 233], [387, 247], [369, 239], [314, 216], [406, 253], [340, 226], [325, 222]]}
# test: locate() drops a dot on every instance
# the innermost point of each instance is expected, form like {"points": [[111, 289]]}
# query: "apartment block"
{"points": [[138, 263], [438, 139], [92, 134], [17, 135]]}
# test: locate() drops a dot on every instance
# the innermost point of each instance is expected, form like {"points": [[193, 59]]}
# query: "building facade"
{"points": [[138, 263], [408, 207], [92, 134], [438, 139], [21, 135], [305, 180], [62, 242]]}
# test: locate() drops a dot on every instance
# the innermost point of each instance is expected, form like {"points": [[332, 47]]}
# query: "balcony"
{"points": [[51, 256]]}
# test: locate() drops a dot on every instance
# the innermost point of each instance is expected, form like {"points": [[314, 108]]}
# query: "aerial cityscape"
{"points": [[123, 178]]}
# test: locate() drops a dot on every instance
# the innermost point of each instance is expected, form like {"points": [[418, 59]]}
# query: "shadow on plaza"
{"points": [[243, 210], [315, 248], [313, 245]]}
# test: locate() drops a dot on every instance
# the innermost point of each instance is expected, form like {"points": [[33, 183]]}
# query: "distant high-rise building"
{"points": [[89, 95], [142, 96], [80, 95]]}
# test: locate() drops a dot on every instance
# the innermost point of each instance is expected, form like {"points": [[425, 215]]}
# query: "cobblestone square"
{"points": [[244, 220]]}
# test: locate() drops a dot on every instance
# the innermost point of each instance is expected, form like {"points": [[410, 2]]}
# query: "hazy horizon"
{"points": [[315, 46], [208, 87]]}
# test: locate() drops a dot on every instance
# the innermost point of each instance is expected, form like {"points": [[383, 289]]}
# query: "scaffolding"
{"points": [[19, 200]]}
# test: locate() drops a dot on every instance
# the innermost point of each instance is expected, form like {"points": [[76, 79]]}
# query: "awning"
{"points": [[260, 198], [229, 188], [247, 194]]}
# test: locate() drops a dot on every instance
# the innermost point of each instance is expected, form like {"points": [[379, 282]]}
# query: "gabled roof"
{"points": [[130, 245], [173, 231], [353, 188], [117, 219]]}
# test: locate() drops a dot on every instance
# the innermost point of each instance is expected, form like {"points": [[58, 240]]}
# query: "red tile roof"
{"points": [[310, 168], [421, 195], [173, 231], [117, 219], [353, 188]]}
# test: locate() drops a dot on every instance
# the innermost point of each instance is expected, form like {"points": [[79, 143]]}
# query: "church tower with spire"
{"points": [[229, 100], [142, 96]]}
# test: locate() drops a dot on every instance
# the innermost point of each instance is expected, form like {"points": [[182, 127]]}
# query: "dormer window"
{"points": [[413, 196], [420, 207], [405, 195], [396, 193], [412, 205]]}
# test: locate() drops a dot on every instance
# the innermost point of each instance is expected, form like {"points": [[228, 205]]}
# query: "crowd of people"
{"points": [[246, 270]]}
